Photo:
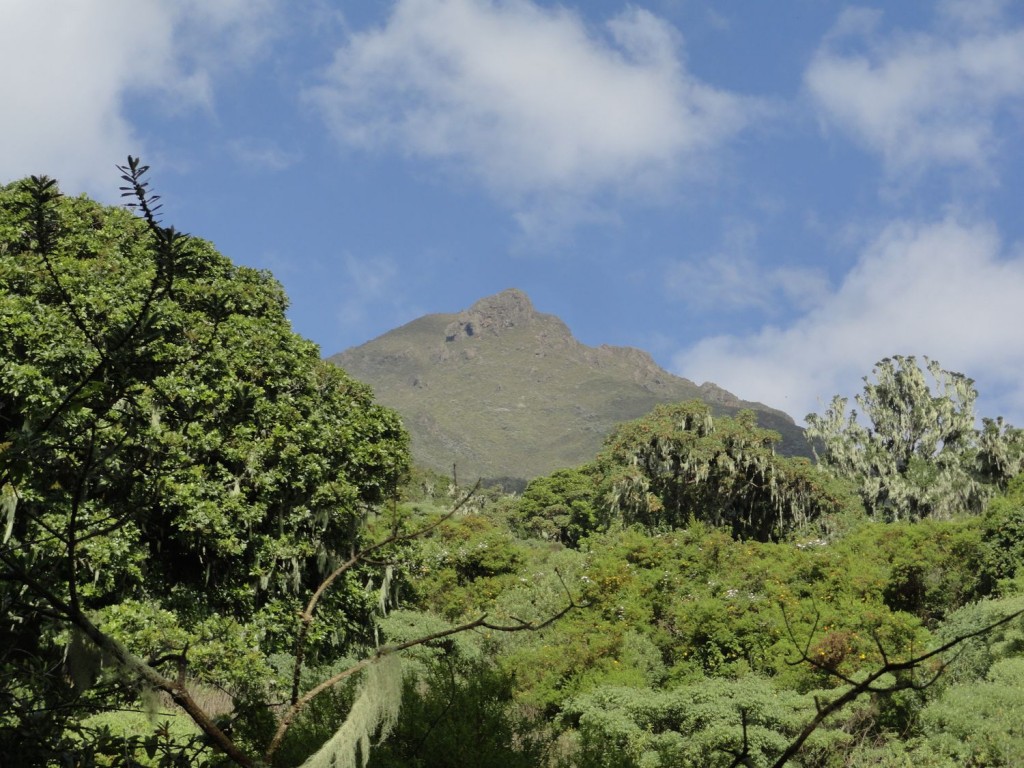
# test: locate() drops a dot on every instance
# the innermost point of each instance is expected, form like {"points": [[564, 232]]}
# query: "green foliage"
{"points": [[680, 464], [562, 506], [701, 725], [970, 715], [1004, 531], [166, 437], [142, 740], [426, 486], [464, 564], [460, 714], [979, 723], [223, 651], [671, 608], [228, 454], [668, 611], [927, 569], [920, 455], [976, 657]]}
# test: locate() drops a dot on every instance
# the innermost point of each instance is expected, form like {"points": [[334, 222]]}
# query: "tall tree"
{"points": [[679, 462], [562, 506], [170, 447], [920, 454]]}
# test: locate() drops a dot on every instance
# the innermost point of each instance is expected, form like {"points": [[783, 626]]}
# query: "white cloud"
{"points": [[69, 68], [226, 33], [973, 14], [528, 100], [732, 278], [370, 284], [261, 155], [947, 289], [925, 99], [723, 283]]}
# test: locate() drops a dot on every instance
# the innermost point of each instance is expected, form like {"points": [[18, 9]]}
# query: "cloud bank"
{"points": [[71, 67], [926, 99], [947, 289], [529, 101]]}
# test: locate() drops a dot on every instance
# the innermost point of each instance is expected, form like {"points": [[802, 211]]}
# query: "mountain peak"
{"points": [[491, 315], [504, 390], [511, 301]]}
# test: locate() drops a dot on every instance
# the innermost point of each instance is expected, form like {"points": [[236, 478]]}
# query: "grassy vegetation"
{"points": [[521, 397]]}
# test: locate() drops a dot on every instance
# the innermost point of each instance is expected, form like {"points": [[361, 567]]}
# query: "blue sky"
{"points": [[770, 196]]}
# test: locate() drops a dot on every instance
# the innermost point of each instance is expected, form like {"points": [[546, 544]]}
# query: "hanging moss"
{"points": [[374, 712], [680, 464]]}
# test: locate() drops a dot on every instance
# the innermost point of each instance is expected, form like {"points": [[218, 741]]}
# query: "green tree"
{"points": [[679, 463], [167, 437], [920, 454], [562, 506], [184, 485]]}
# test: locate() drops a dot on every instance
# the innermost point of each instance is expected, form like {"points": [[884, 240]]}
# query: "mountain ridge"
{"points": [[502, 390]]}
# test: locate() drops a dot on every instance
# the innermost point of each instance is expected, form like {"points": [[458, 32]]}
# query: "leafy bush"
{"points": [[979, 723], [562, 507], [701, 725], [1003, 531]]}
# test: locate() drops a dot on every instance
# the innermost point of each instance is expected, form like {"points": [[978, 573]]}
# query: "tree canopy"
{"points": [[920, 453], [680, 463], [175, 462]]}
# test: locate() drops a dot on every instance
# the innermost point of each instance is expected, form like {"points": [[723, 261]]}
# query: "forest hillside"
{"points": [[217, 550]]}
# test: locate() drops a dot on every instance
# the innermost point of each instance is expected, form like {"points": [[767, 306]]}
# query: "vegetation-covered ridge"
{"points": [[504, 391], [215, 551]]}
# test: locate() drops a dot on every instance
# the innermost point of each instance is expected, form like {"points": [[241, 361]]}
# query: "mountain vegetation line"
{"points": [[216, 551]]}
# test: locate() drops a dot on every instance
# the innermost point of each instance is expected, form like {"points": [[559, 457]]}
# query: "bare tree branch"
{"points": [[867, 684]]}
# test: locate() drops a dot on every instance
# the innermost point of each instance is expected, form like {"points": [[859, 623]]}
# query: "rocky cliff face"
{"points": [[493, 315], [502, 390]]}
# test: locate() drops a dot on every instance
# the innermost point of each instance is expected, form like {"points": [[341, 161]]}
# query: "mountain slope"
{"points": [[501, 390]]}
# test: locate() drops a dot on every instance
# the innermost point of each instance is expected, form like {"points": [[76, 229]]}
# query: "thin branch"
{"points": [[805, 653], [76, 317], [866, 685], [160, 285], [362, 555], [385, 650], [741, 757], [77, 499]]}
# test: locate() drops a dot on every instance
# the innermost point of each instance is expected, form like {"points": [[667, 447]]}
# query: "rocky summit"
{"points": [[500, 390]]}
